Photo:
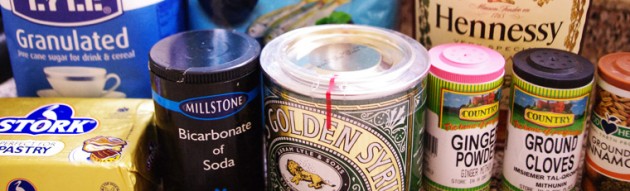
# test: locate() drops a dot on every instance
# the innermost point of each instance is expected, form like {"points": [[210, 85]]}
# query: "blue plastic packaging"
{"points": [[267, 19], [86, 48]]}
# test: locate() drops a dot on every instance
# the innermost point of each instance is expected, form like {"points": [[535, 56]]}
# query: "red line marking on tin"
{"points": [[331, 85]]}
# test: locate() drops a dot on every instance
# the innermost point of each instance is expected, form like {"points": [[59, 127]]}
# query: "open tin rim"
{"points": [[364, 62]]}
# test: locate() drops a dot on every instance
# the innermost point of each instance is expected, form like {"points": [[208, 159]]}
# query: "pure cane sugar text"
{"points": [[548, 107], [344, 109], [91, 48], [464, 92]]}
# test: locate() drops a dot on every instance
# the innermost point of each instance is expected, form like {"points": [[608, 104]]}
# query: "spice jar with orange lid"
{"points": [[608, 156]]}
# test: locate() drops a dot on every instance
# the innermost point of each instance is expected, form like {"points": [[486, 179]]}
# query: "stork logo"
{"points": [[55, 119], [67, 13]]}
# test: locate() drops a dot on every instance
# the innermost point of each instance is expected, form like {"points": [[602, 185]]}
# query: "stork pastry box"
{"points": [[76, 144]]}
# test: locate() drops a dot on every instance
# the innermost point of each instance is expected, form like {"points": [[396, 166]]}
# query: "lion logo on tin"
{"points": [[299, 174]]}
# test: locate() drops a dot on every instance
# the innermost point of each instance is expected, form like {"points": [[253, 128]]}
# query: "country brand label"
{"points": [[549, 111], [545, 136], [479, 113], [549, 119], [367, 149], [461, 133], [67, 13], [54, 119], [463, 106]]}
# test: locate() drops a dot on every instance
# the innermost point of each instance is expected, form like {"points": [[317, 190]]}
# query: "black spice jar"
{"points": [[549, 103], [206, 87]]}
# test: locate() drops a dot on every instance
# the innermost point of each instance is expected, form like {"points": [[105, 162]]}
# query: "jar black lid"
{"points": [[205, 56], [553, 68]]}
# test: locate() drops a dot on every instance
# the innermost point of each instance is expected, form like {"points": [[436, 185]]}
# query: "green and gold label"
{"points": [[464, 106], [547, 110], [370, 145], [545, 136], [461, 133]]}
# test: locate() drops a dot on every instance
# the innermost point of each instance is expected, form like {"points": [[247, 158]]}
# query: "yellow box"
{"points": [[77, 144]]}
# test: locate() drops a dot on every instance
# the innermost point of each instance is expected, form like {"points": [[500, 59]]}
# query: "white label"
{"points": [[536, 161], [545, 136], [458, 158], [610, 154]]}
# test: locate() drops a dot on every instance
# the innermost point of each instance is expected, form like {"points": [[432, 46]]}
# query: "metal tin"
{"points": [[548, 110], [206, 87], [344, 109], [607, 159], [464, 92]]}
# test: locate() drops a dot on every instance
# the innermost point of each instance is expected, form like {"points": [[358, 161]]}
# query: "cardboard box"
{"points": [[77, 144]]}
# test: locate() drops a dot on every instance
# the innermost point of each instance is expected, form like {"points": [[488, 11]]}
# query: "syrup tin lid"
{"points": [[466, 63], [364, 62], [615, 69], [206, 56], [553, 68]]}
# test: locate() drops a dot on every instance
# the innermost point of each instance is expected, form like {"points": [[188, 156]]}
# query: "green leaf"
{"points": [[335, 18], [322, 21], [340, 17]]}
